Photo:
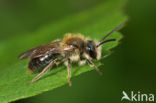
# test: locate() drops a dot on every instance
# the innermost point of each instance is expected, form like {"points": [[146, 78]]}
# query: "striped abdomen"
{"points": [[38, 64]]}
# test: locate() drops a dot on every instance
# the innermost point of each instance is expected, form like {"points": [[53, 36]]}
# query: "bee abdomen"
{"points": [[37, 64]]}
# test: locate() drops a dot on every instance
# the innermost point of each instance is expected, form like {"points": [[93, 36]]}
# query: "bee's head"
{"points": [[92, 50]]}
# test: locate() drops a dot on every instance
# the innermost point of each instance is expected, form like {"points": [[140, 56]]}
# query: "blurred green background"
{"points": [[130, 68]]}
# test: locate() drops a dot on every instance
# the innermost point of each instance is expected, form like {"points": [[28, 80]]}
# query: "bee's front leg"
{"points": [[94, 66], [101, 64]]}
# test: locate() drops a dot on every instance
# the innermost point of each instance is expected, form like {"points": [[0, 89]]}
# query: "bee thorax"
{"points": [[74, 57]]}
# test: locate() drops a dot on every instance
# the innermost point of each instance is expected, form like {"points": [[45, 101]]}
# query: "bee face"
{"points": [[91, 49]]}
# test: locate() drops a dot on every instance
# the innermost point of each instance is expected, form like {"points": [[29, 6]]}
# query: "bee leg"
{"points": [[43, 72], [69, 71], [101, 64], [93, 65]]}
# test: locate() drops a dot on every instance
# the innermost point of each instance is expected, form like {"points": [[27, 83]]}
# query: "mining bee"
{"points": [[73, 48]]}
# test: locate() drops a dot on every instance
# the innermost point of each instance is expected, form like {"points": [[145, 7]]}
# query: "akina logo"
{"points": [[138, 96]]}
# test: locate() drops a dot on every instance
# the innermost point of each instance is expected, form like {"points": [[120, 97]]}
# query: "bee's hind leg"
{"points": [[94, 66], [69, 71], [43, 72]]}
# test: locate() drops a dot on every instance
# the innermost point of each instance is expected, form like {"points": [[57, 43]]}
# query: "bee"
{"points": [[72, 48]]}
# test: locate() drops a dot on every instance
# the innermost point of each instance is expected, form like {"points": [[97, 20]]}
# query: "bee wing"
{"points": [[47, 49]]}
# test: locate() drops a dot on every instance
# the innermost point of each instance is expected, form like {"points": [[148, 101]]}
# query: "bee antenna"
{"points": [[104, 41]]}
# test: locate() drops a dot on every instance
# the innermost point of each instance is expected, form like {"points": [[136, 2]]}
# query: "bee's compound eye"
{"points": [[90, 49]]}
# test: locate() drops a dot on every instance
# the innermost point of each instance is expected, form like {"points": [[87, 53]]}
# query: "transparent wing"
{"points": [[52, 48]]}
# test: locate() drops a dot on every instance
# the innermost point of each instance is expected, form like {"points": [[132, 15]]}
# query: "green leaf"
{"points": [[95, 23]]}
